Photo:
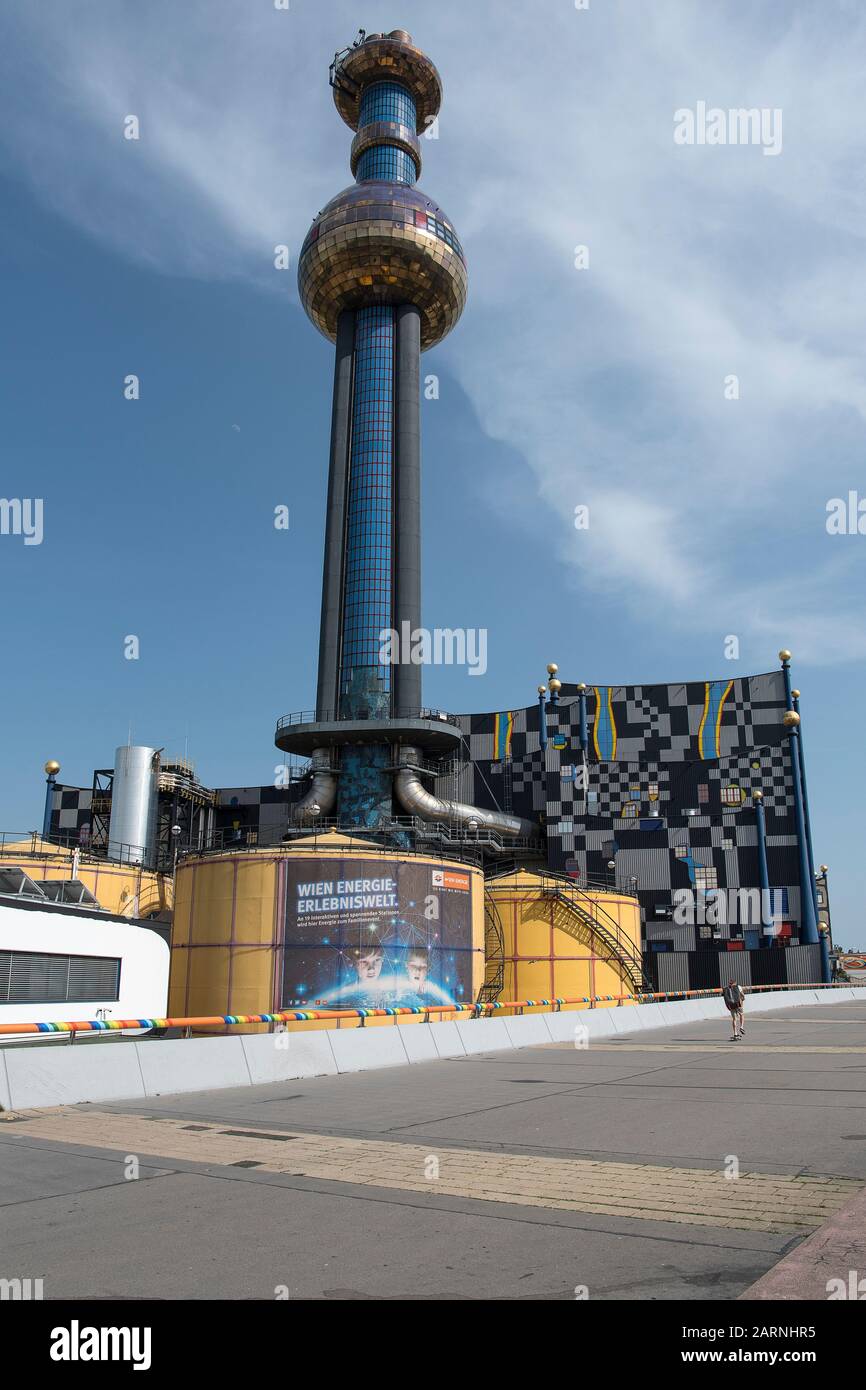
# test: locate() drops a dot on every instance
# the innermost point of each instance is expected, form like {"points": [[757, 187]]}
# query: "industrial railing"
{"points": [[311, 716], [451, 840], [39, 845], [478, 1010], [582, 884]]}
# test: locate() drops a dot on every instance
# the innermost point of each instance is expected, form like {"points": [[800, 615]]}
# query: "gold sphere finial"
{"points": [[52, 767], [555, 684], [552, 668], [824, 868], [542, 690], [784, 654], [795, 694], [757, 796], [582, 687], [791, 719]]}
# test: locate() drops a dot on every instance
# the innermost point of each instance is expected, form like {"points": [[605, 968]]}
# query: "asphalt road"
{"points": [[544, 1173]]}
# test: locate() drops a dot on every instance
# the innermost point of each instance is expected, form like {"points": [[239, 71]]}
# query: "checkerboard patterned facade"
{"points": [[663, 788]]}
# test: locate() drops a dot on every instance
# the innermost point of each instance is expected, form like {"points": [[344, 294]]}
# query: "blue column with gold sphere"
{"points": [[51, 769], [763, 871], [581, 711], [791, 719], [542, 717], [795, 703]]}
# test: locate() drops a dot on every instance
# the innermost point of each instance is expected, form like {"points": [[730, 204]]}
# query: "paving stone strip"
{"points": [[786, 1203]]}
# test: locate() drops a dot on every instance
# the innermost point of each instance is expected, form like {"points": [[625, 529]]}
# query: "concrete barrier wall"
{"points": [[31, 1077], [5, 1098]]}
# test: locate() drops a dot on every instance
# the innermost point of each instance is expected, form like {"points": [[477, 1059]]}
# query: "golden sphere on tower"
{"points": [[555, 684], [552, 668], [378, 243], [542, 690], [52, 767], [582, 687], [791, 719], [757, 796], [824, 868], [784, 654], [795, 694]]}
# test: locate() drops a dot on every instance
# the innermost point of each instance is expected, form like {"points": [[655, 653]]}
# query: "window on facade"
{"points": [[732, 795], [705, 877], [31, 977]]}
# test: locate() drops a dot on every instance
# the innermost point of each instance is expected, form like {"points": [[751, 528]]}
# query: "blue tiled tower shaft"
{"points": [[372, 550]]}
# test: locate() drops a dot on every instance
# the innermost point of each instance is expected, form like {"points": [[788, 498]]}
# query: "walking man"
{"points": [[734, 996]]}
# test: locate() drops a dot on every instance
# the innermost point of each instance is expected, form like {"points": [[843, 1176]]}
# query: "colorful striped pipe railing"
{"points": [[116, 1025]]}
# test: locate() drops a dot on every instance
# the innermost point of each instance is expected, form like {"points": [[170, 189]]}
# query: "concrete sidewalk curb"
{"points": [[35, 1076], [832, 1260]]}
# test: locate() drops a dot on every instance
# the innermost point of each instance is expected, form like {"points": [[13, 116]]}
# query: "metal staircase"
{"points": [[494, 955], [573, 909], [576, 912]]}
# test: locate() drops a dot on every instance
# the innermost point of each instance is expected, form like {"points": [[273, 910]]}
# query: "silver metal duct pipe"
{"points": [[319, 800], [415, 799]]}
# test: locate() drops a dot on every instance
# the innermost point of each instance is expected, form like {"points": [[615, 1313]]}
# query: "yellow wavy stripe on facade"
{"points": [[612, 721], [725, 695], [704, 718], [595, 722], [598, 753]]}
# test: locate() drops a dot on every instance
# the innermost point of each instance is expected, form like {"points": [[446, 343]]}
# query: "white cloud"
{"points": [[556, 130]]}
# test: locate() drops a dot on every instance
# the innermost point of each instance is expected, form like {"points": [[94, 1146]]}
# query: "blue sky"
{"points": [[602, 387]]}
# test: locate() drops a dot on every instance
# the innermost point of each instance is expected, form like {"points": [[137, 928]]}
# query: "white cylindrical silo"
{"points": [[132, 827]]}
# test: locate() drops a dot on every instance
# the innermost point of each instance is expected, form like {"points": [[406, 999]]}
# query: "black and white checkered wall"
{"points": [[671, 804]]}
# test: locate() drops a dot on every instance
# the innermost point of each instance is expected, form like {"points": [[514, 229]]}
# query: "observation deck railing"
{"points": [[311, 716]]}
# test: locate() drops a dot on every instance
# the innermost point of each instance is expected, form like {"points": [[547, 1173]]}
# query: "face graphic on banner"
{"points": [[418, 966], [368, 962]]}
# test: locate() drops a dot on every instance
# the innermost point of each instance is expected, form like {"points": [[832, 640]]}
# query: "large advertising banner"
{"points": [[376, 933]]}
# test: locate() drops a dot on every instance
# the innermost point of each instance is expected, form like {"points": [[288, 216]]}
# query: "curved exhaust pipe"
{"points": [[319, 800], [415, 799]]}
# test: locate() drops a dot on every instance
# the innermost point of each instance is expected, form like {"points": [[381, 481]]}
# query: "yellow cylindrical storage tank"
{"points": [[126, 889], [547, 939], [325, 922]]}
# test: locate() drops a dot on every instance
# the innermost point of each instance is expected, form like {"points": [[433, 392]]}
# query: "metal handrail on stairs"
{"points": [[595, 918], [494, 955], [620, 947]]}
